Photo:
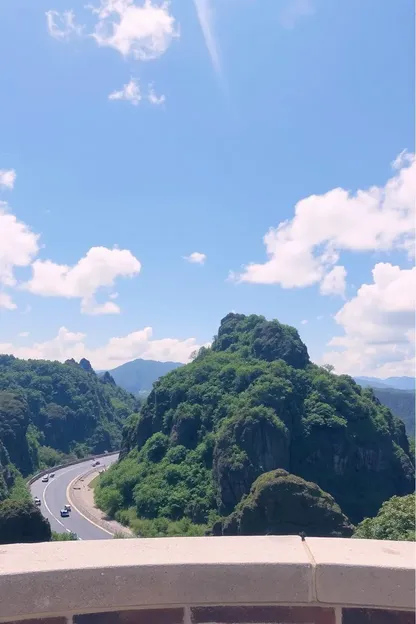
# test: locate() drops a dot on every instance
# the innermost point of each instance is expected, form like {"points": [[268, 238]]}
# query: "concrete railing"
{"points": [[40, 474], [270, 579]]}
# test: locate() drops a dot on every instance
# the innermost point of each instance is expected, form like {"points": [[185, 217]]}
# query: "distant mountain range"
{"points": [[400, 383], [396, 393], [139, 375]]}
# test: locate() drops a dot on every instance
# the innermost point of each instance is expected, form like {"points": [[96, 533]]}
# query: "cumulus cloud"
{"points": [[334, 282], [100, 267], [23, 334], [379, 326], [142, 32], [62, 25], [130, 92], [304, 322], [118, 350], [7, 178], [18, 245], [303, 250], [196, 258]]}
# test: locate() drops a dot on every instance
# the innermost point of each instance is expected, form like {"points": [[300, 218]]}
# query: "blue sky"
{"points": [[135, 134]]}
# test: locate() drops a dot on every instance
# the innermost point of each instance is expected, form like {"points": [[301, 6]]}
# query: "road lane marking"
{"points": [[71, 502], [46, 505]]}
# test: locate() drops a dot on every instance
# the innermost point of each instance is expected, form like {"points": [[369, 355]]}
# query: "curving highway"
{"points": [[54, 496]]}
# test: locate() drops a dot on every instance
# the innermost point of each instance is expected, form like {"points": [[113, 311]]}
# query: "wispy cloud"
{"points": [[294, 11], [129, 92], [205, 15], [63, 25]]}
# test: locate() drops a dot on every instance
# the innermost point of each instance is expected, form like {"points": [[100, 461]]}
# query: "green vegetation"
{"points": [[394, 521], [51, 413], [22, 522], [64, 537], [282, 504], [250, 404], [401, 403]]}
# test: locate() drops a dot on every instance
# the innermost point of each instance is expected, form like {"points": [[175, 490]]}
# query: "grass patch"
{"points": [[94, 482]]}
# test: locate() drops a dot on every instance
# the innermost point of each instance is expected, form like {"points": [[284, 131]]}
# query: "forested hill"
{"points": [[49, 410], [250, 404]]}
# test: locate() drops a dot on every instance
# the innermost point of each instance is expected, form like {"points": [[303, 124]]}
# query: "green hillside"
{"points": [[51, 411], [250, 404], [401, 403]]}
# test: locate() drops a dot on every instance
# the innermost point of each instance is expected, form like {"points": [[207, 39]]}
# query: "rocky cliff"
{"points": [[250, 404]]}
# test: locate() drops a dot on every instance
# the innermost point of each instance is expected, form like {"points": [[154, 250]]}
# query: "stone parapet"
{"points": [[216, 580]]}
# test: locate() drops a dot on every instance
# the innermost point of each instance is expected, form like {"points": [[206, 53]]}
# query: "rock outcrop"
{"points": [[280, 503]]}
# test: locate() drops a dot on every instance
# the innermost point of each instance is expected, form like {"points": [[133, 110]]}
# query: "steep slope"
{"points": [[65, 407], [139, 375], [250, 404], [402, 405]]}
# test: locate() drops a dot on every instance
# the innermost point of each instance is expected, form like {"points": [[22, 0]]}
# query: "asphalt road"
{"points": [[53, 497]]}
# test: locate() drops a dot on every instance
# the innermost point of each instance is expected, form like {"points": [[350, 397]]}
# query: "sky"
{"points": [[165, 163]]}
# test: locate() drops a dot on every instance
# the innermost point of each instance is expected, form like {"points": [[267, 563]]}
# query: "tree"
{"points": [[22, 522], [328, 367], [394, 521]]}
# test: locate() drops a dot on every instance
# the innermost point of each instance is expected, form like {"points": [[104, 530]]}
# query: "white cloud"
{"points": [[7, 178], [100, 267], [6, 301], [62, 25], [379, 326], [113, 295], [333, 282], [153, 98], [304, 322], [129, 92], [144, 32], [24, 334], [403, 159], [302, 250], [118, 350], [18, 245], [205, 15], [196, 258]]}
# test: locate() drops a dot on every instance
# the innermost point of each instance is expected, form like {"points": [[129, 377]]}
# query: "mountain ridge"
{"points": [[138, 376], [250, 404]]}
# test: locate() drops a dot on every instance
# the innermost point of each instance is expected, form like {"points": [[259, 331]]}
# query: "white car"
{"points": [[45, 478], [67, 507], [37, 501]]}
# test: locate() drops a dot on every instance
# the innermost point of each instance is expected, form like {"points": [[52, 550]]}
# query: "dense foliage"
{"points": [[283, 504], [52, 412], [394, 521], [401, 403], [22, 522], [250, 404]]}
